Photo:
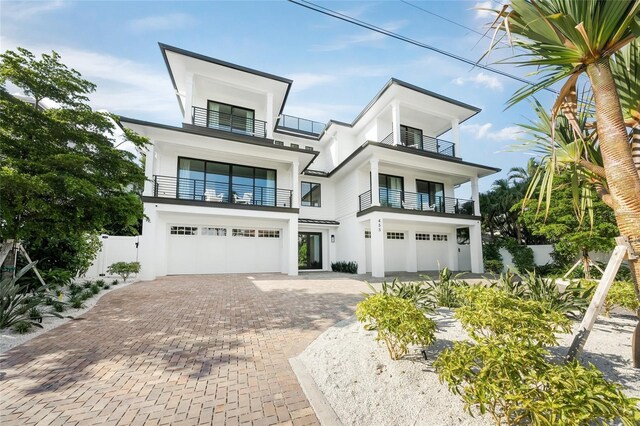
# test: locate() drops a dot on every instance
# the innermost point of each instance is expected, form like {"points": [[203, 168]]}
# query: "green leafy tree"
{"points": [[61, 174], [570, 235]]}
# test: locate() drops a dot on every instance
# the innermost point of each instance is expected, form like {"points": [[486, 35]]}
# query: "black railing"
{"points": [[417, 201], [220, 192], [423, 143], [204, 117], [302, 125]]}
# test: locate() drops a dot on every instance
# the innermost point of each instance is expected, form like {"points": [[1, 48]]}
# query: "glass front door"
{"points": [[309, 250]]}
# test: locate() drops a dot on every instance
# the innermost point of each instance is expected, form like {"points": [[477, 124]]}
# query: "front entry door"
{"points": [[309, 250]]}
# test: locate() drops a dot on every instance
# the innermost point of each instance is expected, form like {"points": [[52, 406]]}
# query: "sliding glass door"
{"points": [[430, 195], [391, 190], [230, 118]]}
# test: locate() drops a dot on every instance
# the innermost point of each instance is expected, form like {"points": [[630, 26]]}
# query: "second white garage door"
{"points": [[433, 251], [215, 250]]}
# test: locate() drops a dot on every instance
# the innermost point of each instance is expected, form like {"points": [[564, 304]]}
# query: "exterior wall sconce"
{"points": [[333, 238]]}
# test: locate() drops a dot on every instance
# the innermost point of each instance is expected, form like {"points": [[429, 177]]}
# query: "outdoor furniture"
{"points": [[409, 205], [246, 198], [429, 208], [210, 195]]}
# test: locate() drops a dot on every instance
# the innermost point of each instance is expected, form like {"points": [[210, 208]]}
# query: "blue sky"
{"points": [[336, 67]]}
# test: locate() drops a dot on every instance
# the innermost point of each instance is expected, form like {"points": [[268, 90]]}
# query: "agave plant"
{"points": [[16, 302]]}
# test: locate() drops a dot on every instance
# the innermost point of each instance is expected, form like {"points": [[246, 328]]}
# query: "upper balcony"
{"points": [[221, 193], [231, 123], [421, 142], [419, 202], [293, 124]]}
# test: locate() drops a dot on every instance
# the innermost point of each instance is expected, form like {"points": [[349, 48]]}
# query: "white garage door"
{"points": [[433, 251], [216, 250], [395, 251]]}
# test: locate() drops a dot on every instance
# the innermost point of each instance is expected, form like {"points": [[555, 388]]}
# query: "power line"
{"points": [[371, 27]]}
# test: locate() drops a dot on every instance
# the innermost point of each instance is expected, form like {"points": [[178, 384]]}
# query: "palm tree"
{"points": [[565, 39]]}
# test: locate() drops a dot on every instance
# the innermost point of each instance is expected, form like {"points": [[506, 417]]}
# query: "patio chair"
{"points": [[246, 198], [210, 195], [409, 205]]}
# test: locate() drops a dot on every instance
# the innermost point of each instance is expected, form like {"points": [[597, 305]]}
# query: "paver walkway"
{"points": [[178, 350]]}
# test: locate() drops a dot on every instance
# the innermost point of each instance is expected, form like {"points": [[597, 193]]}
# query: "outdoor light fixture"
{"points": [[333, 238]]}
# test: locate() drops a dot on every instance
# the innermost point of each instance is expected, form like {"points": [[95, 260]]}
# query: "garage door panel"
{"points": [[395, 255], [433, 255]]}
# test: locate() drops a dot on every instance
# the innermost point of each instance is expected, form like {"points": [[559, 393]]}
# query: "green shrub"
{"points": [[87, 284], [398, 322], [35, 314], [522, 255], [348, 267], [100, 283], [114, 282], [124, 269], [488, 312], [420, 294], [59, 307], [510, 283], [76, 302], [623, 295], [87, 294], [573, 301], [95, 288], [492, 257], [493, 266], [106, 287], [22, 327], [445, 290], [505, 372], [74, 289], [16, 300]]}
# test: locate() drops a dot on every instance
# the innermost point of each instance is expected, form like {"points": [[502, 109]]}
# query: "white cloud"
{"points": [[358, 39], [20, 10], [480, 12], [304, 81], [123, 86], [483, 131], [161, 22], [481, 79]]}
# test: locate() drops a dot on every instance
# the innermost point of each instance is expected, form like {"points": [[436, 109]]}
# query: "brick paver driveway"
{"points": [[178, 350]]}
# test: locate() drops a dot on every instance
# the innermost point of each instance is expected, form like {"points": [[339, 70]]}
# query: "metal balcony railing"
{"points": [[423, 143], [302, 125], [220, 192], [417, 201], [204, 117]]}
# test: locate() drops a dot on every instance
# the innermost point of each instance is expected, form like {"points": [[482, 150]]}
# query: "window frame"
{"points": [[231, 127], [431, 193], [414, 130], [302, 183]]}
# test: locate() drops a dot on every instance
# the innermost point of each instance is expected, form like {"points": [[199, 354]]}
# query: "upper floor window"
{"points": [[410, 136], [311, 195], [431, 195], [230, 118]]}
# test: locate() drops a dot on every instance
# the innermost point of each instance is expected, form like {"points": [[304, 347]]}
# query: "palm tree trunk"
{"points": [[621, 173]]}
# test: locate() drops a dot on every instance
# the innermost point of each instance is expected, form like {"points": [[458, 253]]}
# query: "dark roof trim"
{"points": [[212, 133], [281, 131], [406, 85], [318, 221], [182, 202], [165, 47], [415, 213], [409, 151]]}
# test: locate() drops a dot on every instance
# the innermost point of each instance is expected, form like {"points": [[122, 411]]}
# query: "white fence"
{"points": [[114, 249]]}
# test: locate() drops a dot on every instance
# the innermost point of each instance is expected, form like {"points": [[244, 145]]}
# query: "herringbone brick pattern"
{"points": [[179, 350]]}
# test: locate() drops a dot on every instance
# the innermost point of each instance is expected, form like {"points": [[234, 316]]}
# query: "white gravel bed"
{"points": [[10, 339], [365, 387]]}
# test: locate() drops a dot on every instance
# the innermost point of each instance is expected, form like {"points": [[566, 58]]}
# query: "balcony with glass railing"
{"points": [[300, 125]]}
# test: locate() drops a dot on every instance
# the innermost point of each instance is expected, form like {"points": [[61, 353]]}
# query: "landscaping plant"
{"points": [[124, 269], [505, 371], [418, 293], [445, 290], [623, 295], [397, 321], [348, 267]]}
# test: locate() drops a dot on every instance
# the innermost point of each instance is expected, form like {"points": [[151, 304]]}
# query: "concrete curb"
{"points": [[319, 403]]}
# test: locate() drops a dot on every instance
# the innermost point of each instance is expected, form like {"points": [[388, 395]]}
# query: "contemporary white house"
{"points": [[242, 187]]}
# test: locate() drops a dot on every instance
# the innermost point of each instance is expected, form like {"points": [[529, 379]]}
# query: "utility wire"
{"points": [[362, 24]]}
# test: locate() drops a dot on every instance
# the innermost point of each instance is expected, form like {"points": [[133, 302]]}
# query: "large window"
{"points": [[311, 195], [226, 183], [430, 195], [410, 136], [391, 190], [230, 118]]}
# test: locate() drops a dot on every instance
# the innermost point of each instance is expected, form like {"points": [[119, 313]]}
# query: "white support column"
{"points": [[149, 166], [452, 247], [455, 135], [295, 186], [375, 183], [147, 248], [188, 100], [361, 253], [395, 122], [475, 240], [270, 118], [292, 247], [377, 246], [412, 252], [475, 195]]}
